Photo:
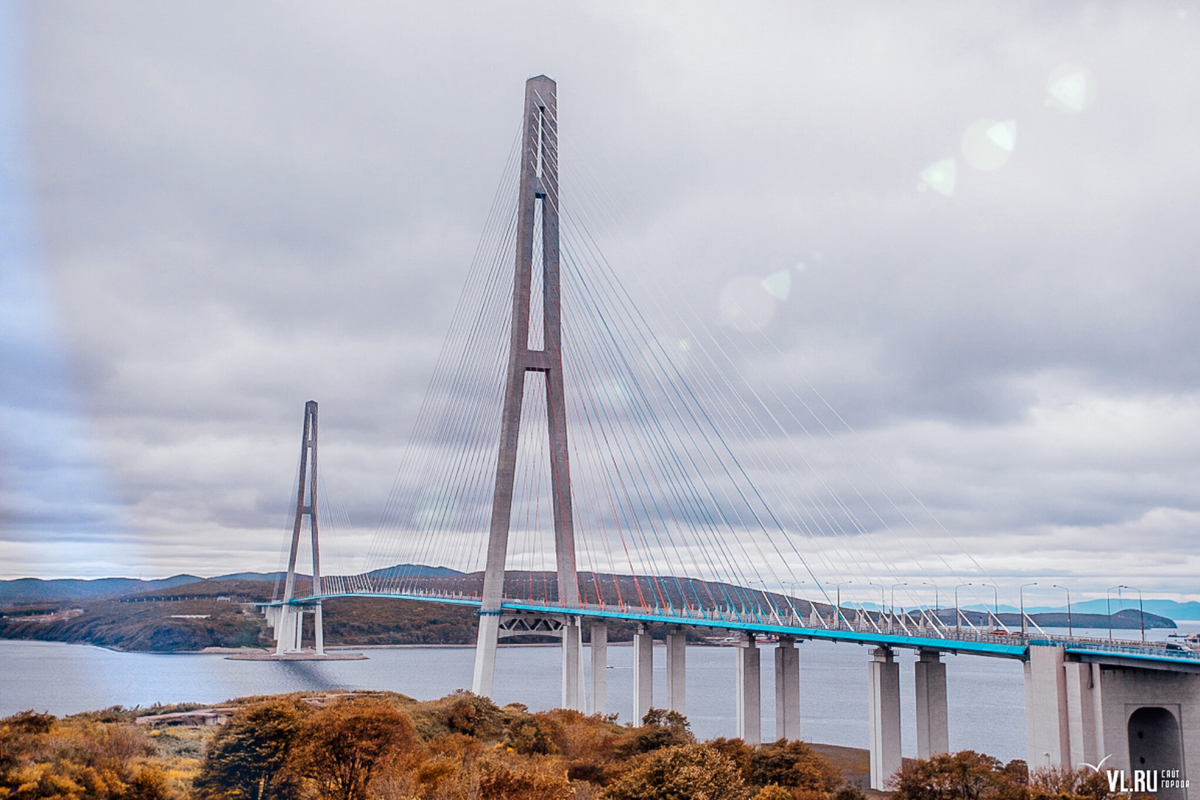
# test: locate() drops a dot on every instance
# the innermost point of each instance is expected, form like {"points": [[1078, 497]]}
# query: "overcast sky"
{"points": [[987, 214]]}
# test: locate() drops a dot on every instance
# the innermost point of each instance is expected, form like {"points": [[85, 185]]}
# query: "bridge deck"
{"points": [[946, 641]]}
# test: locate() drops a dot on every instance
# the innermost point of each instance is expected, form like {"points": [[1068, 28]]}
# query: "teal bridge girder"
{"points": [[1012, 646]]}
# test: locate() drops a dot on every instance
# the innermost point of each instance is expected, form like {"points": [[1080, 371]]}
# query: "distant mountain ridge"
{"points": [[36, 590], [1180, 612]]}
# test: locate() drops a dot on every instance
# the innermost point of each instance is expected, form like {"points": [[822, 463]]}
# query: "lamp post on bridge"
{"points": [[892, 612], [936, 602], [795, 592], [1070, 630], [1024, 629], [1141, 613], [995, 602], [840, 618], [957, 610], [1108, 605], [881, 598]]}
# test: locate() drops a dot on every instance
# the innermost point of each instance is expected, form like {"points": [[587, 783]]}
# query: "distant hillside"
{"points": [[33, 590], [37, 590]]}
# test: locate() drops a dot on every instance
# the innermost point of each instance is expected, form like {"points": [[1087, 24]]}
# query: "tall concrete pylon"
{"points": [[290, 621], [539, 183]]}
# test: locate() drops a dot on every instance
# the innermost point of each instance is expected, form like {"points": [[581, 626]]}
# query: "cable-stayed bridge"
{"points": [[576, 467]]}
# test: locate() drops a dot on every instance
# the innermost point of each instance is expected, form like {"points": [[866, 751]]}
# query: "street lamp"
{"points": [[1024, 628], [881, 598], [795, 596], [936, 603], [957, 611], [1108, 605], [892, 612], [1141, 614], [995, 602], [1070, 631], [840, 618]]}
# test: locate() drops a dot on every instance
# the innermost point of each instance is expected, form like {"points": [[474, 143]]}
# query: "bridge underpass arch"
{"points": [[1156, 743]]}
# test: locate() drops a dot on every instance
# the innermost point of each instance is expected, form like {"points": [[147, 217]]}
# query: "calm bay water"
{"points": [[986, 695]]}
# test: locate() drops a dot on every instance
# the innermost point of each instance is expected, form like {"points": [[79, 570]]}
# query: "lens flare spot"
{"points": [[615, 393], [1071, 88], [668, 356], [800, 266], [745, 305], [940, 176], [778, 284], [987, 144]]}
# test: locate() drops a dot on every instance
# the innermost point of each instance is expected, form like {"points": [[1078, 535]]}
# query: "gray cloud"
{"points": [[241, 209]]}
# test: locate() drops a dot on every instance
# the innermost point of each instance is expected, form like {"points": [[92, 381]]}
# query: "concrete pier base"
{"points": [[599, 632], [485, 654], [1046, 730], [933, 725], [677, 671], [1085, 714], [787, 690], [572, 664], [643, 673], [883, 683], [289, 629], [749, 691], [318, 631]]}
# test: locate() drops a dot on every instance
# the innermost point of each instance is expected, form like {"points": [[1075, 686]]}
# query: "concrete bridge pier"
{"points": [[643, 673], [787, 689], [1046, 733], [749, 691], [599, 632], [933, 726], [572, 664], [677, 670], [1142, 720], [288, 629], [883, 719]]}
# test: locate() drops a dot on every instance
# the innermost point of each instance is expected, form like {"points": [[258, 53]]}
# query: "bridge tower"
{"points": [[290, 621], [539, 184]]}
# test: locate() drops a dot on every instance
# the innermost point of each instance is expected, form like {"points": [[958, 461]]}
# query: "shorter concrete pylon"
{"points": [[572, 664], [748, 690], [933, 727], [599, 647], [883, 686], [787, 689], [677, 670], [643, 673]]}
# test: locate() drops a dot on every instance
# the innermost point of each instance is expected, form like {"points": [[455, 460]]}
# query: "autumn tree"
{"points": [[246, 758], [966, 775], [792, 764], [342, 748], [685, 772]]}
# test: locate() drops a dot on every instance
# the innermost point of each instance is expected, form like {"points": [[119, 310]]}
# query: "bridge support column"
{"points": [[485, 653], [1046, 728], [933, 726], [749, 691], [1085, 713], [318, 631], [599, 647], [643, 673], [883, 681], [677, 670], [287, 630], [572, 664], [787, 689]]}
